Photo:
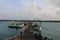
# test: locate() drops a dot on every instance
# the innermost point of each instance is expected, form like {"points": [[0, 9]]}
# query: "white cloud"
{"points": [[50, 10], [53, 2], [47, 13], [1, 18], [54, 8]]}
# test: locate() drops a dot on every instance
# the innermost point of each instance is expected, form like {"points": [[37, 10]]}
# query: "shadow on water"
{"points": [[15, 28]]}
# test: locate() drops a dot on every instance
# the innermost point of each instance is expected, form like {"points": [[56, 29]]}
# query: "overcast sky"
{"points": [[27, 9]]}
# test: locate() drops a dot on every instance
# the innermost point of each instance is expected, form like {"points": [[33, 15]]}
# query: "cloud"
{"points": [[1, 18], [38, 13], [49, 12], [54, 8], [40, 9], [53, 2], [25, 3]]}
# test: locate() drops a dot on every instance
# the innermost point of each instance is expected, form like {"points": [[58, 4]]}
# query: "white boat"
{"points": [[16, 25], [20, 25]]}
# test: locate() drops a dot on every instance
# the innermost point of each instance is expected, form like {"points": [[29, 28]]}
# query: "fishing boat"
{"points": [[16, 25], [36, 30]]}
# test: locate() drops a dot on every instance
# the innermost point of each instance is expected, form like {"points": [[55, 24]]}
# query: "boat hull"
{"points": [[14, 27]]}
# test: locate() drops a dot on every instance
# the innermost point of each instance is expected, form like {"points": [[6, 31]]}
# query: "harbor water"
{"points": [[6, 32], [49, 29]]}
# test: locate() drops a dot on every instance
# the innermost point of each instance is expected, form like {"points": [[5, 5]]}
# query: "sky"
{"points": [[30, 9]]}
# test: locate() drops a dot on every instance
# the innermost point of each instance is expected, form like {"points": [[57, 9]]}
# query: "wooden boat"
{"points": [[36, 30], [16, 25]]}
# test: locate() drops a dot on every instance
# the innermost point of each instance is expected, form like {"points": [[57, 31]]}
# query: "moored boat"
{"points": [[36, 29], [16, 25]]}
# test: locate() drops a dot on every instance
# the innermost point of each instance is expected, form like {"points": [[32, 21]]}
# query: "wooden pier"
{"points": [[28, 35]]}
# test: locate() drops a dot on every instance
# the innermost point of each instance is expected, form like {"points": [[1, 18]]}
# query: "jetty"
{"points": [[27, 34], [30, 32]]}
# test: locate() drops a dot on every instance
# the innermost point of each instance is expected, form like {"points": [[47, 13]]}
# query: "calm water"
{"points": [[5, 32], [50, 29]]}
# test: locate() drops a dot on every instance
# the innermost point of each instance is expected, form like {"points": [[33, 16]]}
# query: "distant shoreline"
{"points": [[34, 20]]}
